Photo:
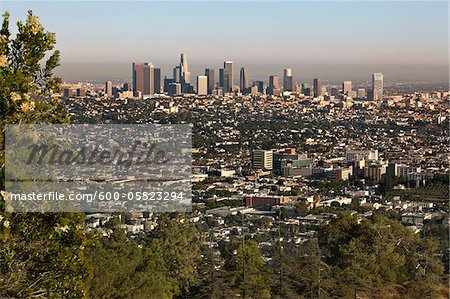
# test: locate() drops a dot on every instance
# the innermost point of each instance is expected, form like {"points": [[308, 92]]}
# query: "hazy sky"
{"points": [[331, 40]]}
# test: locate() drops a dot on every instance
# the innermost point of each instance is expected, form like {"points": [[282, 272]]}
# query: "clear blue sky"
{"points": [[405, 40]]}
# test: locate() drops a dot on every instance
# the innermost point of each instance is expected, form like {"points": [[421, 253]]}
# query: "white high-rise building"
{"points": [[262, 159], [184, 69], [202, 85], [377, 86]]}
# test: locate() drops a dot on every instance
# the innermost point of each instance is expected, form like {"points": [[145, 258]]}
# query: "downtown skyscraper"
{"points": [[228, 76], [377, 86], [144, 79], [288, 85], [156, 80], [273, 88], [185, 75], [202, 85], [108, 88], [209, 73], [243, 80], [176, 74], [317, 87]]}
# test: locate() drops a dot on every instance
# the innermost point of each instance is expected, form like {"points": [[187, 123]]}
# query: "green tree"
{"points": [[213, 282], [179, 241], [247, 271], [41, 255], [300, 272], [28, 87], [379, 252], [123, 269]]}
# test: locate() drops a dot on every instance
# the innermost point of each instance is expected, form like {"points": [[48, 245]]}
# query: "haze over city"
{"points": [[332, 40], [224, 150]]}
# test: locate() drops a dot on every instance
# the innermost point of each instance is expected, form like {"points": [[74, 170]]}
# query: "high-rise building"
{"points": [[254, 89], [202, 85], [149, 77], [306, 89], [81, 92], [260, 85], [228, 76], [317, 87], [221, 77], [377, 86], [108, 88], [167, 81], [273, 81], [211, 83], [176, 74], [174, 89], [143, 79], [184, 69], [157, 80], [288, 84], [243, 82], [138, 78], [68, 92], [262, 159], [346, 87], [273, 85]]}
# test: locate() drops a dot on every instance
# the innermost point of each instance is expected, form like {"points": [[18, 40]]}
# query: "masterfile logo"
{"points": [[98, 167]]}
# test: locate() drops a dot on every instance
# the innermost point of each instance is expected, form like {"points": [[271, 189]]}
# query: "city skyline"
{"points": [[333, 41], [147, 81]]}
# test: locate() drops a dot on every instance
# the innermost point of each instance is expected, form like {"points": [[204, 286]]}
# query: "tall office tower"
{"points": [[143, 78], [138, 78], [228, 76], [317, 86], [108, 88], [243, 80], [306, 89], [288, 84], [157, 80], [377, 86], [254, 89], [221, 77], [210, 74], [176, 74], [262, 159], [167, 81], [81, 92], [346, 87], [149, 77], [184, 70], [273, 85], [260, 85], [202, 85], [174, 89], [273, 81]]}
